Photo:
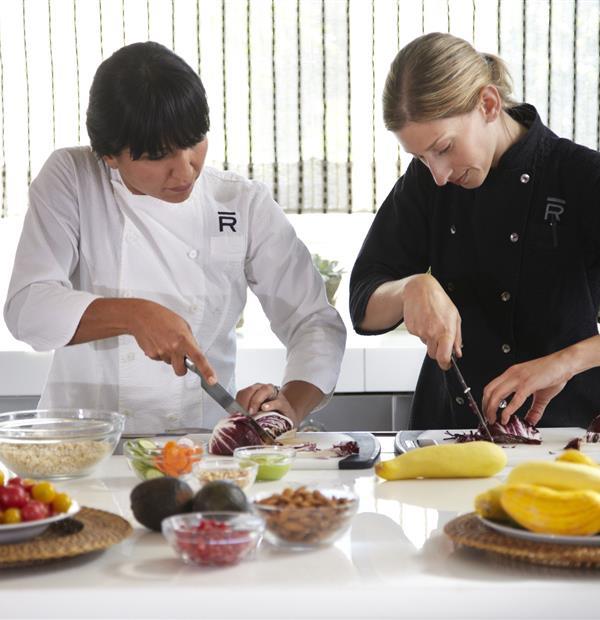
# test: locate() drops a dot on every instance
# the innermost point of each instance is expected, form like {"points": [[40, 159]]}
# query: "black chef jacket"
{"points": [[520, 258]]}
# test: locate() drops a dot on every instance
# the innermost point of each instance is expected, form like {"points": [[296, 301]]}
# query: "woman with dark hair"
{"points": [[134, 247], [487, 247]]}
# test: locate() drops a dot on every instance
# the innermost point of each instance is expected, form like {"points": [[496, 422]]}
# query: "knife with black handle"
{"points": [[472, 404], [228, 402]]}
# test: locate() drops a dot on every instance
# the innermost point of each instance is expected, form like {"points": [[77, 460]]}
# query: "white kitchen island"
{"points": [[395, 562]]}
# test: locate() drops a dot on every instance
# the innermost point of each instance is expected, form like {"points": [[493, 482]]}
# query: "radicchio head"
{"points": [[235, 431], [593, 431]]}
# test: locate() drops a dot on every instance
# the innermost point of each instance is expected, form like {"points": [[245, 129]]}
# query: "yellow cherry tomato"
{"points": [[1, 478], [43, 492], [12, 515], [61, 502]]}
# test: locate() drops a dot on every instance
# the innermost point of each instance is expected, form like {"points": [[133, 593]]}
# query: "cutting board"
{"points": [[369, 450], [553, 442], [368, 446]]}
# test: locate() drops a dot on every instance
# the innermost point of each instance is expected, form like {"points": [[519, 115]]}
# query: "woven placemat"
{"points": [[89, 530], [469, 531]]}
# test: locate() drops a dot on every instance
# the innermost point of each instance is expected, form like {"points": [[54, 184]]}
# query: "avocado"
{"points": [[220, 495], [154, 500]]}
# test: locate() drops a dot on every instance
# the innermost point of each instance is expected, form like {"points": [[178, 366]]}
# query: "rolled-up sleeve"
{"points": [[279, 270], [396, 246], [42, 307]]}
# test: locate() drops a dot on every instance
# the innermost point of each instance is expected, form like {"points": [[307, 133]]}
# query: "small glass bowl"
{"points": [[214, 538], [273, 462], [241, 472], [146, 459], [318, 516], [55, 444]]}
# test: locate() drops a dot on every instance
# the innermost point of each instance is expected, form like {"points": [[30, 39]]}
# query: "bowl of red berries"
{"points": [[214, 538], [28, 507]]}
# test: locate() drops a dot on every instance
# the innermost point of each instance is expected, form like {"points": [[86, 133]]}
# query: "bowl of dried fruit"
{"points": [[306, 516], [213, 538]]}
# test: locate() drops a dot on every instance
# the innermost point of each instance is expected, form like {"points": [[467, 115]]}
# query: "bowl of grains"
{"points": [[242, 473], [306, 516], [55, 444]]}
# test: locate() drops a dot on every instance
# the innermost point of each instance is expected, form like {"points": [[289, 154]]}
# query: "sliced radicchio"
{"points": [[574, 444], [515, 431], [235, 431]]}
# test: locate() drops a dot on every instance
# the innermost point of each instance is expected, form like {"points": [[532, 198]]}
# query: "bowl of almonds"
{"points": [[307, 516]]}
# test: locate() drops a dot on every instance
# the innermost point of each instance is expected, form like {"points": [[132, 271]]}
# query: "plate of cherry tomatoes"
{"points": [[28, 507]]}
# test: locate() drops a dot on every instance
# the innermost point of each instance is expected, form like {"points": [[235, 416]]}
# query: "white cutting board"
{"points": [[553, 442], [324, 441], [307, 460]]}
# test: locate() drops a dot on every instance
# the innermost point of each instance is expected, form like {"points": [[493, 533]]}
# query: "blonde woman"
{"points": [[488, 246]]}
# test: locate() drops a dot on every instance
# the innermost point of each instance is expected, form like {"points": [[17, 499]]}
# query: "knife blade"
{"points": [[472, 404], [218, 393]]}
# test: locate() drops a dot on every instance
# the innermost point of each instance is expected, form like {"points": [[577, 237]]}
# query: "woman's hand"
{"points": [[261, 397], [542, 378], [164, 335], [430, 314]]}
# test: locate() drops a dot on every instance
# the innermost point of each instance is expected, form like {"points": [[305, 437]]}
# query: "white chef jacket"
{"points": [[87, 236]]}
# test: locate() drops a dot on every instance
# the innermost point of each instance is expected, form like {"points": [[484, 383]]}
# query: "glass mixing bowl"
{"points": [[54, 444]]}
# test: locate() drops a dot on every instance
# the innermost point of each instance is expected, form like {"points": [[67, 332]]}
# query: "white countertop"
{"points": [[394, 562]]}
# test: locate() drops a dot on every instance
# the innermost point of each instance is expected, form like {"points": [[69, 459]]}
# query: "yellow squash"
{"points": [[476, 459], [575, 456], [556, 475], [543, 510], [487, 504]]}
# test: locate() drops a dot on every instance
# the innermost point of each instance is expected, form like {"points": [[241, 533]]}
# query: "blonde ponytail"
{"points": [[438, 76]]}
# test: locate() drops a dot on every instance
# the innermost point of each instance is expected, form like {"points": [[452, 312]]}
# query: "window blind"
{"points": [[294, 86]]}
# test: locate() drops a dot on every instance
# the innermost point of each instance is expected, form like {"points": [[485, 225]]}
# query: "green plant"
{"points": [[327, 268], [331, 274]]}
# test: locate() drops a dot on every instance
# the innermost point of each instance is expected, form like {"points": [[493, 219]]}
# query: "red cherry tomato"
{"points": [[27, 484], [34, 511], [13, 496], [16, 481]]}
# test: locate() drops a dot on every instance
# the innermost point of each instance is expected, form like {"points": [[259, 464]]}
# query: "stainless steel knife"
{"points": [[228, 402], [472, 404]]}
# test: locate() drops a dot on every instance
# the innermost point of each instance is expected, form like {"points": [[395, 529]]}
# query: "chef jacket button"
{"points": [[193, 254], [505, 296], [127, 293], [505, 348], [453, 229], [514, 237], [524, 178], [450, 286], [126, 411], [193, 308], [460, 400]]}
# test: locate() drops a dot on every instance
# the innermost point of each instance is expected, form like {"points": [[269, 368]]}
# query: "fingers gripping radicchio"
{"points": [[235, 431]]}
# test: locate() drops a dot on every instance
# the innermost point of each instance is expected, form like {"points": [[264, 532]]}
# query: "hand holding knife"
{"points": [[228, 402], [472, 404]]}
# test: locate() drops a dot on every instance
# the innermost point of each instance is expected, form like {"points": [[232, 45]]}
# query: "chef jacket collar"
{"points": [[520, 155]]}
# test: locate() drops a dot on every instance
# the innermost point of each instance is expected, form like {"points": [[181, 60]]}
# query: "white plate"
{"points": [[515, 532], [18, 532]]}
